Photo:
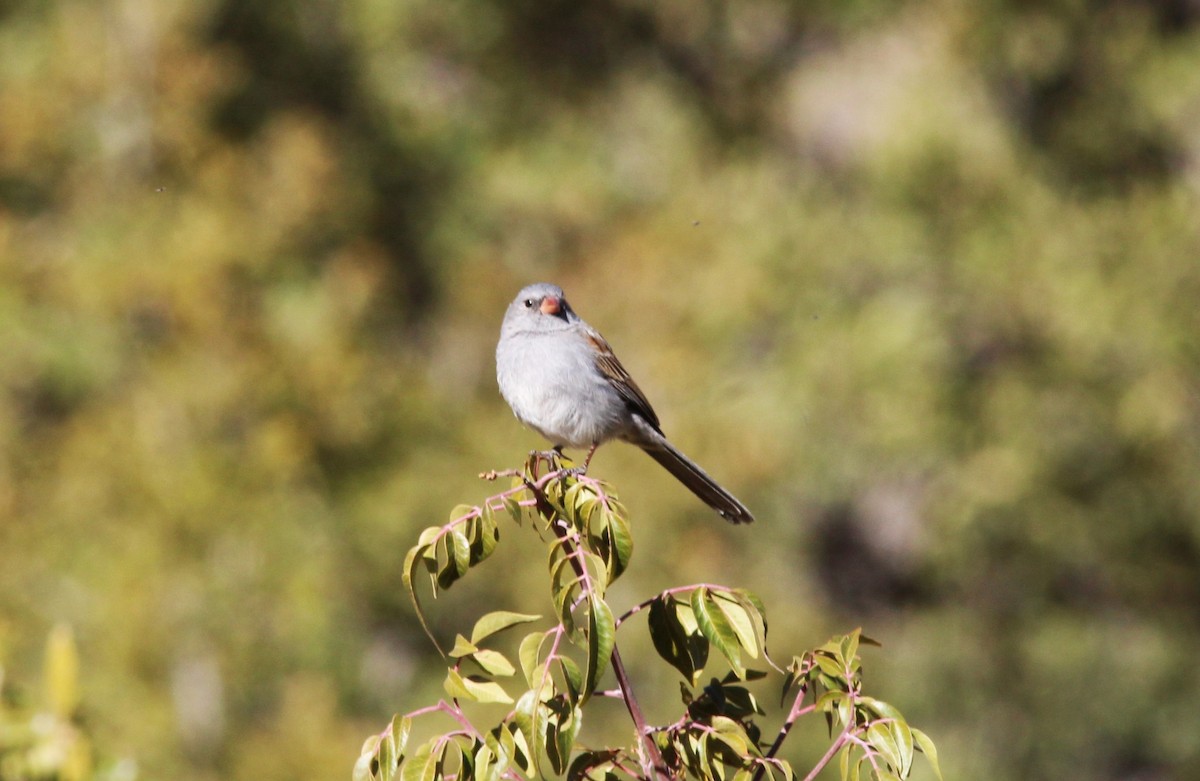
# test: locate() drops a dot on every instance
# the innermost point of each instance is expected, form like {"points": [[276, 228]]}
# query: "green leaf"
{"points": [[796, 675], [362, 767], [757, 610], [849, 645], [514, 508], [455, 687], [831, 667], [928, 749], [488, 691], [880, 738], [411, 561], [458, 558], [460, 687], [498, 621], [529, 654], [562, 727], [669, 637], [486, 536], [716, 629], [482, 761], [740, 703], [830, 700], [525, 718], [844, 762], [731, 734], [902, 735], [587, 762], [462, 511], [494, 662], [880, 708], [602, 633], [462, 647], [388, 758], [399, 731], [422, 765], [739, 619], [573, 677]]}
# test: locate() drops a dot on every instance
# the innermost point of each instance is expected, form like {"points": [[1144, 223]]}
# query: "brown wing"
{"points": [[611, 368]]}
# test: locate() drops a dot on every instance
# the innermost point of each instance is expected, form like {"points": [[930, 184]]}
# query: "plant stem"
{"points": [[651, 760]]}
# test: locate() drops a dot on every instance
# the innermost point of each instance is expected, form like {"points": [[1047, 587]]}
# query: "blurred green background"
{"points": [[919, 282]]}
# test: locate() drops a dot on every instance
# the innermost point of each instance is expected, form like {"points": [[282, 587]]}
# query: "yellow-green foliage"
{"points": [[917, 281]]}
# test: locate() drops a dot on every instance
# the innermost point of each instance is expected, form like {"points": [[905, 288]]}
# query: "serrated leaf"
{"points": [[716, 630], [497, 621], [928, 749]]}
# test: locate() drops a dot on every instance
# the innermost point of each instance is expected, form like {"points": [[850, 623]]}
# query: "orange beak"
{"points": [[551, 305]]}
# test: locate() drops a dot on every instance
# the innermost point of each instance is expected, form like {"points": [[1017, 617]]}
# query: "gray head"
{"points": [[538, 308]]}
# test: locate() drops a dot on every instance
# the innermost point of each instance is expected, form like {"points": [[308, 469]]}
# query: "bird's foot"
{"points": [[550, 457]]}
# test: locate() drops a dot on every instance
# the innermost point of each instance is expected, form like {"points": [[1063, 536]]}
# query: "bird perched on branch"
{"points": [[562, 380]]}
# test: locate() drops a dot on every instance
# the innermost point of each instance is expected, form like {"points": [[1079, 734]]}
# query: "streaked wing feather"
{"points": [[610, 367]]}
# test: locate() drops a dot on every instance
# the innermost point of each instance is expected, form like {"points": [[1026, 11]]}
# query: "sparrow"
{"points": [[563, 380]]}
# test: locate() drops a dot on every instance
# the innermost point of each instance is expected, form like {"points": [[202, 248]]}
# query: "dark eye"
{"points": [[529, 302]]}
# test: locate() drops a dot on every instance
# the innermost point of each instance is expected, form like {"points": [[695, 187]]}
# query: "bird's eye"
{"points": [[529, 302]]}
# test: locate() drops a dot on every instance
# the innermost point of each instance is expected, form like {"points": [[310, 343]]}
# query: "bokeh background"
{"points": [[918, 281]]}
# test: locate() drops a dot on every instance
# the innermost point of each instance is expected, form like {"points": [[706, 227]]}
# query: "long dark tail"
{"points": [[691, 475]]}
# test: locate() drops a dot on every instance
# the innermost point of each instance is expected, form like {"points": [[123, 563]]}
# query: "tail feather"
{"points": [[693, 477]]}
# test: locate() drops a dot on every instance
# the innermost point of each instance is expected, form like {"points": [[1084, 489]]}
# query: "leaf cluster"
{"points": [[720, 732]]}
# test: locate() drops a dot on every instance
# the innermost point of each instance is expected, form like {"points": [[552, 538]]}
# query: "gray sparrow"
{"points": [[563, 381]]}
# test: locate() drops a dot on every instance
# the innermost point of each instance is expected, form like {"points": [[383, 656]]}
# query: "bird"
{"points": [[562, 379]]}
